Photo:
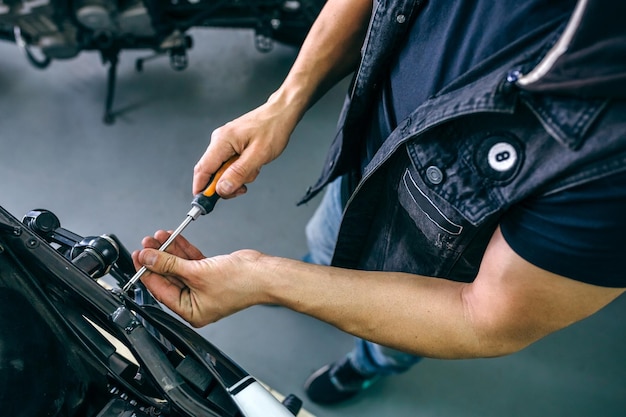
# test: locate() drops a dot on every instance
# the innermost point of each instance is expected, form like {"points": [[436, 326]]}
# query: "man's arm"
{"points": [[329, 53], [510, 305]]}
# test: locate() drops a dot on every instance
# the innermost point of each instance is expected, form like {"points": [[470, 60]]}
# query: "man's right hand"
{"points": [[258, 136]]}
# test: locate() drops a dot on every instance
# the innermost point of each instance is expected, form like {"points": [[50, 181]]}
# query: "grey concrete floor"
{"points": [[134, 177]]}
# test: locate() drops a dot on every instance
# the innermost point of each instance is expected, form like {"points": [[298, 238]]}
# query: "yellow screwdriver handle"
{"points": [[210, 191], [205, 201]]}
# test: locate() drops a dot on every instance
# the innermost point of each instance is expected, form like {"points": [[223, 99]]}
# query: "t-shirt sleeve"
{"points": [[578, 233]]}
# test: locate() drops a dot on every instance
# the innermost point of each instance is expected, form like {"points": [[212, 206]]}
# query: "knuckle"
{"points": [[216, 133], [240, 171], [169, 265], [198, 168]]}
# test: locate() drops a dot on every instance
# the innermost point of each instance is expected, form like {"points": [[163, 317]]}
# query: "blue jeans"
{"points": [[321, 232]]}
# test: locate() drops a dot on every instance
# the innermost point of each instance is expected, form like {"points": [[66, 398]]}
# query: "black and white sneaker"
{"points": [[336, 382]]}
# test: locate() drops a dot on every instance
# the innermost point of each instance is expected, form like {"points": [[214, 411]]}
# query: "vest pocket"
{"points": [[426, 205], [430, 219]]}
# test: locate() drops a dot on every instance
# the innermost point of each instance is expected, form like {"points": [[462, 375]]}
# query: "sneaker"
{"points": [[336, 382]]}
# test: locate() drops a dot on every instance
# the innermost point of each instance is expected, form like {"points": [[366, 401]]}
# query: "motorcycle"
{"points": [[74, 343], [48, 30]]}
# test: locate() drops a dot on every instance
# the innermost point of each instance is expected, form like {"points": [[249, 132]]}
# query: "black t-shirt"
{"points": [[578, 233], [448, 38], [575, 233]]}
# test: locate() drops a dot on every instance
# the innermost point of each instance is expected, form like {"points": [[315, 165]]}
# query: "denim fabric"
{"points": [[431, 197], [371, 359], [321, 231], [323, 227]]}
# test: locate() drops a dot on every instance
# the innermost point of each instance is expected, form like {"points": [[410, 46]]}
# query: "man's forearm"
{"points": [[330, 52], [425, 316]]}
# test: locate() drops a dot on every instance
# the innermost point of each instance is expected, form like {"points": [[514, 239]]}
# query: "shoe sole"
{"points": [[314, 376]]}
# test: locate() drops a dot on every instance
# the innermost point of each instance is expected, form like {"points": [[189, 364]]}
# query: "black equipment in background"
{"points": [[49, 30]]}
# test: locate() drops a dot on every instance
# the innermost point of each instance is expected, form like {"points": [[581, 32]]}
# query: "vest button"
{"points": [[400, 18], [434, 175]]}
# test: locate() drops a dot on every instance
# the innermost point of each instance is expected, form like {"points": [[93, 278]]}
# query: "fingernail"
{"points": [[150, 258], [226, 187]]}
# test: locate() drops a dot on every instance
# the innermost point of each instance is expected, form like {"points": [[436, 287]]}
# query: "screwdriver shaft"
{"points": [[163, 248], [202, 203]]}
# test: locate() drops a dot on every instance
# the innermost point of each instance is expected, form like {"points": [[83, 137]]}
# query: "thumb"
{"points": [[232, 181], [160, 262]]}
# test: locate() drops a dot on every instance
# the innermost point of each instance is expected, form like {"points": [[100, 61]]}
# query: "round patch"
{"points": [[502, 156], [499, 156]]}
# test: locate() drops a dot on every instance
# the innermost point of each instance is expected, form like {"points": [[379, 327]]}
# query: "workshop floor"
{"points": [[134, 176]]}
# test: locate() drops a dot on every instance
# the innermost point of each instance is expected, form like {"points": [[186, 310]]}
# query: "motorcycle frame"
{"points": [[82, 308]]}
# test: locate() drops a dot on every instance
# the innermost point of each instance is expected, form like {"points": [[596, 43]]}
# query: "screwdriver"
{"points": [[202, 203]]}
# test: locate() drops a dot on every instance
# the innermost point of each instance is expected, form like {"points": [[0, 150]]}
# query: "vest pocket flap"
{"points": [[426, 206]]}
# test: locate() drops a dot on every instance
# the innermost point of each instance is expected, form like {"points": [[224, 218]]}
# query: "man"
{"points": [[477, 184]]}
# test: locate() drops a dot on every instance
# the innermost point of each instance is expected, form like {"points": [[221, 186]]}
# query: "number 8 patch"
{"points": [[502, 156], [499, 156]]}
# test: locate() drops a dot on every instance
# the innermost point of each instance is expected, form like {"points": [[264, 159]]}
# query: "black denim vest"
{"points": [[433, 194]]}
